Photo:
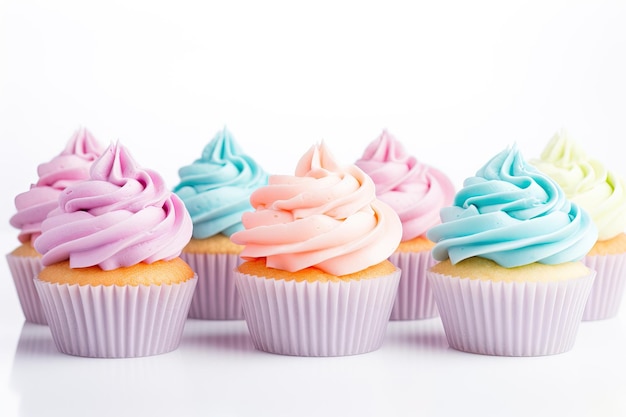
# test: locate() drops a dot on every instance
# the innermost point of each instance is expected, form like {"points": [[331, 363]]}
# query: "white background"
{"points": [[455, 81]]}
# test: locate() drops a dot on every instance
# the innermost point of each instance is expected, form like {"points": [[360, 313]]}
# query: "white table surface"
{"points": [[217, 372]]}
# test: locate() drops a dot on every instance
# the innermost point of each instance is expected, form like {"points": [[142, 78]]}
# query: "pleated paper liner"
{"points": [[510, 318], [608, 288], [414, 300], [24, 269], [317, 318], [216, 296], [116, 321]]}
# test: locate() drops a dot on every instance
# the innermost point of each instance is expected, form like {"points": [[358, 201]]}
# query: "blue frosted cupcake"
{"points": [[510, 279], [216, 190]]}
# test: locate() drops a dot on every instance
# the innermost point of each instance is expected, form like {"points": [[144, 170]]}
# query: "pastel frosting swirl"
{"points": [[70, 166], [120, 216], [416, 191], [326, 216], [513, 214], [587, 183], [216, 187]]}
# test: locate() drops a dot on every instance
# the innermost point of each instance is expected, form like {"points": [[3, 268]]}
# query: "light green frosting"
{"points": [[587, 183]]}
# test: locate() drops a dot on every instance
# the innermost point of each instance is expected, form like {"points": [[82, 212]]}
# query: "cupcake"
{"points": [[316, 280], [416, 192], [113, 284], [70, 166], [509, 279], [216, 190], [600, 192]]}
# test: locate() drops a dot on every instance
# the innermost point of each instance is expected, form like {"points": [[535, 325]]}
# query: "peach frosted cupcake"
{"points": [[216, 190], [113, 284], [416, 192], [602, 193], [317, 281], [68, 167], [509, 279]]}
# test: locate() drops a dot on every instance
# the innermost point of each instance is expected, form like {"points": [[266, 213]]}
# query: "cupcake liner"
{"points": [[216, 296], [510, 318], [24, 269], [608, 288], [116, 321], [414, 300], [317, 318]]}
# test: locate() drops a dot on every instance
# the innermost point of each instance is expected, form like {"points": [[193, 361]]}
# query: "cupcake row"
{"points": [[318, 262]]}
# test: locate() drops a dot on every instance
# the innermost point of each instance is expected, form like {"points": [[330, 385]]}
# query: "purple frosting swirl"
{"points": [[120, 216]]}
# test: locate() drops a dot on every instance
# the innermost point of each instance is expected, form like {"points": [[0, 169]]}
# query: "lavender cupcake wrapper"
{"points": [[216, 296], [510, 318], [415, 300], [116, 321], [24, 269], [608, 288], [317, 318]]}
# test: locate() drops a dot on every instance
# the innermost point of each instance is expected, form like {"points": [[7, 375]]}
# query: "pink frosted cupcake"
{"points": [[509, 279], [602, 194], [317, 281], [416, 192], [216, 190], [113, 284], [70, 166]]}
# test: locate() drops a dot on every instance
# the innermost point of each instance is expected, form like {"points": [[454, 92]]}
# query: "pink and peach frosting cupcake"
{"points": [[316, 280], [113, 284], [416, 191], [68, 167]]}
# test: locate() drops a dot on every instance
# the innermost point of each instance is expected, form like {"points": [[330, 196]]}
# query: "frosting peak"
{"points": [[513, 214], [68, 167], [83, 143], [120, 216], [414, 190], [326, 216], [587, 183], [216, 188]]}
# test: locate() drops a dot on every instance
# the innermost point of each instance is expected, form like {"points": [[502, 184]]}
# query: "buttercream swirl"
{"points": [[513, 214], [120, 216], [326, 216], [586, 182], [70, 166], [216, 188], [416, 191]]}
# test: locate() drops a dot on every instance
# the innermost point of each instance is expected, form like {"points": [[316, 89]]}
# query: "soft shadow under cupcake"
{"points": [[421, 335], [230, 336], [46, 380], [34, 341]]}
